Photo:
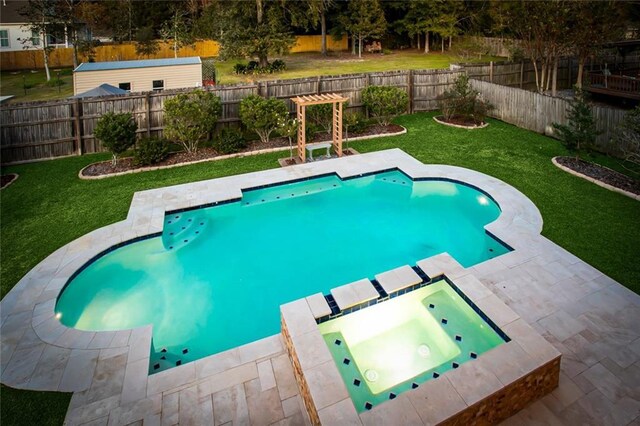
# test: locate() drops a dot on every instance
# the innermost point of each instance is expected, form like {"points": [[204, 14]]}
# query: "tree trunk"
{"points": [[543, 76], [45, 52], [426, 42], [175, 47], [554, 83], [259, 11], [323, 29], [263, 60], [418, 41], [581, 62], [359, 46], [262, 56], [535, 70], [353, 44], [450, 38], [74, 40]]}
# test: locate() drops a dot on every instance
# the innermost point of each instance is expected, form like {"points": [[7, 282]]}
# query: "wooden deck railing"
{"points": [[617, 85]]}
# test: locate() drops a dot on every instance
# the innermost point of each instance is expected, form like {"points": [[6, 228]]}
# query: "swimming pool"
{"points": [[398, 344], [214, 278]]}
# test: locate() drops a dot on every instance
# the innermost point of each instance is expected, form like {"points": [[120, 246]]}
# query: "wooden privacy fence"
{"points": [[40, 130], [63, 57], [533, 111]]}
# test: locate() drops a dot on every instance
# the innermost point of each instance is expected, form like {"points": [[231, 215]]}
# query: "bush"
{"points": [[240, 68], [580, 131], [353, 122], [117, 131], [253, 67], [277, 66], [229, 141], [262, 115], [628, 137], [464, 102], [321, 116], [151, 151], [385, 103], [191, 117]]}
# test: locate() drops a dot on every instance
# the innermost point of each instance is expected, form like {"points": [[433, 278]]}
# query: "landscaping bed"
{"points": [[601, 174], [461, 121], [127, 164], [6, 180]]}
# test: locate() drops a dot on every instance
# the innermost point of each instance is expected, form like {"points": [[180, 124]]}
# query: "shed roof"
{"points": [[145, 63], [102, 90]]}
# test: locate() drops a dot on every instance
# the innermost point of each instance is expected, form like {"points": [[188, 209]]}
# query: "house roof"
{"points": [[102, 90], [146, 63], [10, 12]]}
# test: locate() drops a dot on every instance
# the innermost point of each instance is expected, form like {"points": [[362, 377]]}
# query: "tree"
{"points": [[41, 18], [365, 19], [257, 28], [288, 127], [385, 102], [318, 9], [628, 137], [68, 13], [146, 43], [593, 23], [580, 131], [263, 116], [177, 30], [191, 117], [543, 28], [117, 131]]}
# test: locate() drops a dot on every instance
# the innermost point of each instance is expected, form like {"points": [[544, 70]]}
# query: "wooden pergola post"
{"points": [[302, 102]]}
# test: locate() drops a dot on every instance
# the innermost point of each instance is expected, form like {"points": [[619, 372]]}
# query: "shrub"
{"points": [[262, 115], [277, 66], [151, 151], [580, 131], [117, 131], [229, 141], [253, 65], [385, 103], [321, 116], [191, 117], [628, 137], [464, 102], [288, 127], [240, 68]]}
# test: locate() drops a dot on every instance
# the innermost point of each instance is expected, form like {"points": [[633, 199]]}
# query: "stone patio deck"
{"points": [[591, 319]]}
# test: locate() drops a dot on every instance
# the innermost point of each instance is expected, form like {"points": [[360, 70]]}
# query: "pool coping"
{"points": [[460, 392], [27, 312]]}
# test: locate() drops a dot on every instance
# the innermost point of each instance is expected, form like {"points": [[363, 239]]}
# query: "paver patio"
{"points": [[591, 319]]}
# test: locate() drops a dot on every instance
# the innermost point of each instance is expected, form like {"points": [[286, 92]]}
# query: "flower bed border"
{"points": [[13, 179], [460, 126], [596, 181], [221, 157]]}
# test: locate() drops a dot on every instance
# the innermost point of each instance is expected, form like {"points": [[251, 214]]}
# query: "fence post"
{"points": [[491, 71], [410, 90], [318, 85], [570, 65], [148, 118], [521, 73], [77, 112], [366, 84]]}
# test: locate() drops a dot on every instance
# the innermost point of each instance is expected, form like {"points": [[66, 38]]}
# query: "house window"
{"points": [[35, 38], [158, 84], [4, 38], [125, 86]]}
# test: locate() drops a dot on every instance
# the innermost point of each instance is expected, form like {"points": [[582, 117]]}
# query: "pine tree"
{"points": [[580, 131]]}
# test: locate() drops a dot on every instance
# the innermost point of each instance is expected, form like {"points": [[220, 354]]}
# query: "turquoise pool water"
{"points": [[216, 277], [396, 345]]}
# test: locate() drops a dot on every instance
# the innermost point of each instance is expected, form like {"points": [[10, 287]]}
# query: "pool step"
{"points": [[181, 229]]}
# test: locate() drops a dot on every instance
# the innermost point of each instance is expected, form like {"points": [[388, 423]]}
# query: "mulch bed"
{"points": [[126, 164], [461, 120], [5, 180], [603, 174]]}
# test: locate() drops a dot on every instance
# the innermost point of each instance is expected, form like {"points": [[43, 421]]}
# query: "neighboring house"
{"points": [[139, 76], [16, 35]]}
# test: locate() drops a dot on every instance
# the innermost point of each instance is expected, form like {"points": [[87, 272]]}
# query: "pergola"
{"points": [[329, 98]]}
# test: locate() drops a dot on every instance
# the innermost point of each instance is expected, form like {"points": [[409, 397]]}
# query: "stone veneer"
{"points": [[487, 390]]}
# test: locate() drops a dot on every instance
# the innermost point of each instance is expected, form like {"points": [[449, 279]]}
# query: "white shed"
{"points": [[139, 76]]}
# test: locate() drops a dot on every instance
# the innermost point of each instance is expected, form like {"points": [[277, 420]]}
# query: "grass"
{"points": [[13, 83], [48, 206], [313, 64]]}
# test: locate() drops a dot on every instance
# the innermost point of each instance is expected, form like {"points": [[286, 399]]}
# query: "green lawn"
{"points": [[313, 64], [13, 83], [49, 206]]}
